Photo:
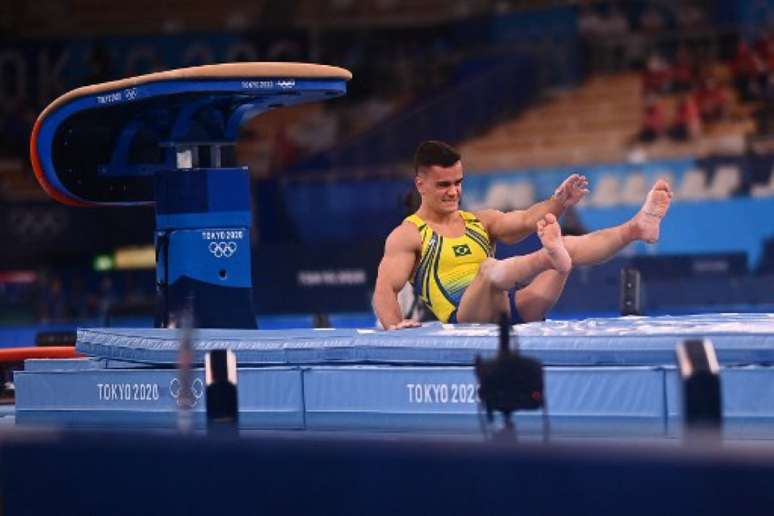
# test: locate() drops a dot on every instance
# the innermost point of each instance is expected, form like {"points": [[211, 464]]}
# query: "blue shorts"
{"points": [[515, 316]]}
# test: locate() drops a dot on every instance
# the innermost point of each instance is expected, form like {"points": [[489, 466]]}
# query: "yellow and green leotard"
{"points": [[448, 265]]}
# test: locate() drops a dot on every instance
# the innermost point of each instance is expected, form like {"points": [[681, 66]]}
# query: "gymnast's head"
{"points": [[432, 153], [438, 175]]}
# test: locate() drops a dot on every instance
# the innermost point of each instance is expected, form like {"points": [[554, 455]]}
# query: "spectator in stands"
{"points": [[747, 69], [686, 124], [654, 120], [683, 71], [656, 77], [713, 100]]}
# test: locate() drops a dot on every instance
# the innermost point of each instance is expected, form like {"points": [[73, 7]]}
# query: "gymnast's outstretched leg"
{"points": [[535, 300], [599, 246]]}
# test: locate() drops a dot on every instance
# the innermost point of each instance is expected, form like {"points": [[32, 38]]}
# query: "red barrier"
{"points": [[21, 354]]}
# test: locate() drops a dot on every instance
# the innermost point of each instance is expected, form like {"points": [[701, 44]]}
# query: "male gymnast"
{"points": [[447, 254]]}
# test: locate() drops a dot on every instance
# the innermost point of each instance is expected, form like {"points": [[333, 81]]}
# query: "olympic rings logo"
{"points": [[223, 249], [189, 399]]}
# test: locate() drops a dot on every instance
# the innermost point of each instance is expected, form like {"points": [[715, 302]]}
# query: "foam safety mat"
{"points": [[738, 338], [581, 401], [603, 377], [88, 396]]}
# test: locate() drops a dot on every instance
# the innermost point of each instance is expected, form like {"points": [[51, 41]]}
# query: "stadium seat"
{"points": [[725, 182], [509, 196], [693, 186], [635, 188], [606, 192], [765, 189]]}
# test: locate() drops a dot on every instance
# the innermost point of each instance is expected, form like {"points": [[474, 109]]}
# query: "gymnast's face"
{"points": [[440, 187]]}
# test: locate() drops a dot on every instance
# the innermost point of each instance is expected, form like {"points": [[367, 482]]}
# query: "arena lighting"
{"points": [[700, 376], [510, 382], [103, 263], [135, 258]]}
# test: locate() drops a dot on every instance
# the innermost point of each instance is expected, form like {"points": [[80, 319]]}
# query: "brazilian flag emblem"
{"points": [[461, 250]]}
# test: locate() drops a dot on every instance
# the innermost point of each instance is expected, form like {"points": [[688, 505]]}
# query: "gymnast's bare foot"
{"points": [[647, 222], [550, 235]]}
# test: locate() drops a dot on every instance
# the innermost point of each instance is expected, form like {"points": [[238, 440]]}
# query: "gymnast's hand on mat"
{"points": [[572, 190], [405, 323]]}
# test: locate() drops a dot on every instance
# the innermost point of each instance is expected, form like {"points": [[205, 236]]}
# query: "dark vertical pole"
{"points": [[700, 375], [222, 400]]}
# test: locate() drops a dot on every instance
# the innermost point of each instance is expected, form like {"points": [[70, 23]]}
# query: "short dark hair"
{"points": [[435, 152]]}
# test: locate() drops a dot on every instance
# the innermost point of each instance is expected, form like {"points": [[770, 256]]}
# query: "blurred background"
{"points": [[530, 91]]}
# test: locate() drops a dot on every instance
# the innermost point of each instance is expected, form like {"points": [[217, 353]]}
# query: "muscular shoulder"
{"points": [[488, 218], [404, 238]]}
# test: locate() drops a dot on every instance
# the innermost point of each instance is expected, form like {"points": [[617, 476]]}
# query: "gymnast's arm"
{"points": [[400, 256], [513, 226]]}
